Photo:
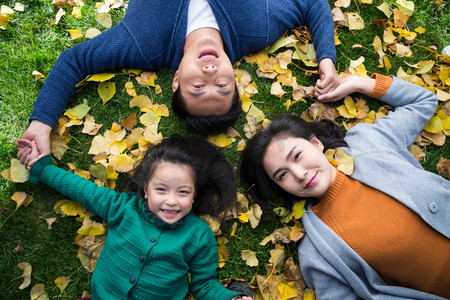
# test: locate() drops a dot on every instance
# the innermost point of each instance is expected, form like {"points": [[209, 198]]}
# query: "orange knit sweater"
{"points": [[391, 238]]}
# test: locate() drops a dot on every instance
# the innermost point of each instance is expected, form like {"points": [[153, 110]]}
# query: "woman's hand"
{"points": [[328, 77], [29, 152], [347, 86]]}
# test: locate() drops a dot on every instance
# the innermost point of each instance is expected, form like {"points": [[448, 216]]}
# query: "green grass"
{"points": [[32, 43]]}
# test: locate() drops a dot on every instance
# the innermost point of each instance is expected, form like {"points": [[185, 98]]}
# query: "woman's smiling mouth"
{"points": [[311, 182]]}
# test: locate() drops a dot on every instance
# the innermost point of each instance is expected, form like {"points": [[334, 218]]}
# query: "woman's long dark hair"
{"points": [[261, 188], [214, 175]]}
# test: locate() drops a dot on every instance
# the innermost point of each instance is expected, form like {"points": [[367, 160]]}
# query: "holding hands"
{"points": [[39, 133], [348, 85], [29, 152]]}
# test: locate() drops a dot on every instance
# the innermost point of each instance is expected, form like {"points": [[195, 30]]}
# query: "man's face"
{"points": [[206, 81]]}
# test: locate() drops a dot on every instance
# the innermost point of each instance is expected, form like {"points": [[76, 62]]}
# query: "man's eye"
{"points": [[198, 86], [221, 85]]}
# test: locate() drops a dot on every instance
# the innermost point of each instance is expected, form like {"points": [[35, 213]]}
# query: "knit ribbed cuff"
{"points": [[37, 168], [382, 84]]}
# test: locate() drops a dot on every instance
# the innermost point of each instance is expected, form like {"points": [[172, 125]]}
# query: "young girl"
{"points": [[154, 238], [380, 233]]}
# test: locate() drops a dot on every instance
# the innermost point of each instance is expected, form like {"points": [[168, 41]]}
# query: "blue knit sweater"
{"points": [[328, 264], [151, 36], [143, 257]]}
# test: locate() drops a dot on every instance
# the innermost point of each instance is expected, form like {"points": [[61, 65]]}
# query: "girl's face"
{"points": [[299, 166], [170, 191]]}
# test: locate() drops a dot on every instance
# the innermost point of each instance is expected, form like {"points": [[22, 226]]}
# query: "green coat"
{"points": [[143, 257]]}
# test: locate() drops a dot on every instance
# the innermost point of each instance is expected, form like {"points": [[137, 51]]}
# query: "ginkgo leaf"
{"points": [[72, 208], [434, 125], [345, 161], [37, 292], [22, 199], [91, 228], [277, 90], [297, 232], [100, 77], [355, 21], [26, 267], [104, 19], [75, 34], [147, 79], [250, 258], [151, 134], [50, 222], [213, 223], [400, 19], [417, 152], [297, 209], [58, 146], [99, 144], [62, 282], [224, 253], [246, 102], [37, 75], [92, 33], [277, 257], [142, 101], [443, 167], [407, 7], [221, 140], [122, 163], [256, 113], [16, 172], [342, 3], [160, 110], [254, 215], [286, 292], [106, 90], [129, 122], [79, 111], [89, 125]]}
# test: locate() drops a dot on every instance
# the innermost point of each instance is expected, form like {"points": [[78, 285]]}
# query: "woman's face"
{"points": [[299, 166]]}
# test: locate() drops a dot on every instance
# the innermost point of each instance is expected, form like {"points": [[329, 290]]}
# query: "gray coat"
{"points": [[328, 264]]}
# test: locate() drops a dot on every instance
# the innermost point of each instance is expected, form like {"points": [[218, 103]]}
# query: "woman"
{"points": [[199, 40], [382, 232]]}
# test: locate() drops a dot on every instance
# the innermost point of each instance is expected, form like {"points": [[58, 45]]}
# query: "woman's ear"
{"points": [[316, 142], [175, 82]]}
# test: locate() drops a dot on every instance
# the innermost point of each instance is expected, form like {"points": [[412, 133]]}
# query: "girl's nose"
{"points": [[171, 200]]}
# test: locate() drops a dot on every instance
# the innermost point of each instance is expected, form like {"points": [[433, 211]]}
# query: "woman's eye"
{"points": [[296, 156], [282, 175]]}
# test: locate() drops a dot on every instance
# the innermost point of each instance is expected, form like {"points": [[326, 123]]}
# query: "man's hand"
{"points": [[328, 77], [30, 152], [39, 133]]}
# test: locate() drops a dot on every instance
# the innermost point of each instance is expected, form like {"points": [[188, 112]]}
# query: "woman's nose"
{"points": [[300, 174]]}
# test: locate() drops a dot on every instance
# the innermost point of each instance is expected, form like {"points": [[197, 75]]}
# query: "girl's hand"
{"points": [[328, 77], [29, 152], [40, 133], [347, 86]]}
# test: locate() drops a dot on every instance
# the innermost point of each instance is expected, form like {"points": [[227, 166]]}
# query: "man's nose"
{"points": [[209, 69]]}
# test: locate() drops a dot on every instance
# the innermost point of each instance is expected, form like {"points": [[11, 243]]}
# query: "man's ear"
{"points": [[175, 82], [316, 142]]}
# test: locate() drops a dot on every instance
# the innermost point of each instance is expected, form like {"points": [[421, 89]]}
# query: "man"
{"points": [[199, 40]]}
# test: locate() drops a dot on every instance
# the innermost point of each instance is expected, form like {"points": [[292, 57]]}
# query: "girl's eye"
{"points": [[184, 192], [159, 189]]}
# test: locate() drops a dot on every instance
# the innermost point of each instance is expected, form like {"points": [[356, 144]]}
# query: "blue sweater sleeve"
{"points": [[113, 49], [102, 201]]}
